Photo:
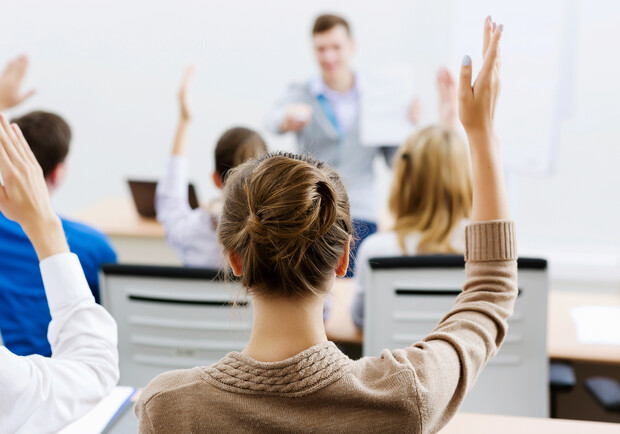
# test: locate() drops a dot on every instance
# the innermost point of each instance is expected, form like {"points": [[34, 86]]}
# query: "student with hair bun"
{"points": [[286, 230], [430, 199], [192, 233]]}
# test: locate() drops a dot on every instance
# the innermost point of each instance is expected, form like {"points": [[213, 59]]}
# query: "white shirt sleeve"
{"points": [[40, 394], [190, 232]]}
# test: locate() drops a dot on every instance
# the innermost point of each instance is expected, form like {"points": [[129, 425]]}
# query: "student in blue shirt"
{"points": [[24, 311]]}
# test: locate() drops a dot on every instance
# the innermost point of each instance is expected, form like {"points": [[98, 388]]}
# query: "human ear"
{"points": [[343, 262], [217, 180], [235, 263]]}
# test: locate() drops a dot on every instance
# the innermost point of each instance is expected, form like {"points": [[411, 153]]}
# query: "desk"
{"points": [[462, 423], [491, 424], [137, 240], [561, 335]]}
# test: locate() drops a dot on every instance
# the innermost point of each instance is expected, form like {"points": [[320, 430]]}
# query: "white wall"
{"points": [[112, 69]]}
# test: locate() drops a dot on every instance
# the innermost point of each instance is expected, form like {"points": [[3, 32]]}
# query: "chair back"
{"points": [[173, 317], [409, 295]]}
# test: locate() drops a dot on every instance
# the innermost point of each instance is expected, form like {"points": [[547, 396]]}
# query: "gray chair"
{"points": [[409, 295], [173, 318]]}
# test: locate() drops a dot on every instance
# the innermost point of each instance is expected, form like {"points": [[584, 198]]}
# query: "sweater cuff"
{"points": [[490, 241]]}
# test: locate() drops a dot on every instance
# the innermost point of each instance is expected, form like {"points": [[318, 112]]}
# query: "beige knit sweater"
{"points": [[414, 389]]}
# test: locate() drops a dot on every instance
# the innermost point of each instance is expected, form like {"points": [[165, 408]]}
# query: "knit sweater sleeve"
{"points": [[446, 363]]}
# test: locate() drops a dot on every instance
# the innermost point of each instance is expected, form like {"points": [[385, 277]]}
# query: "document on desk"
{"points": [[597, 324], [96, 420]]}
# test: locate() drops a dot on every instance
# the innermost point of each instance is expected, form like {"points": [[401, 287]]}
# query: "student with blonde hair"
{"points": [[430, 199], [192, 233], [286, 229]]}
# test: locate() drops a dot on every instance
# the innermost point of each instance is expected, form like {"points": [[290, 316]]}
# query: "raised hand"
{"points": [[477, 113], [11, 82], [24, 197], [415, 110], [448, 104], [477, 103], [186, 115]]}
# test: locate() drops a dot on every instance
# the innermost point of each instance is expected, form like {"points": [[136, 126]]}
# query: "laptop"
{"points": [[143, 193]]}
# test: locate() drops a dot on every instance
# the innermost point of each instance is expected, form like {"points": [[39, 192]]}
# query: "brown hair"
{"points": [[326, 22], [236, 146], [48, 136], [287, 216], [431, 188]]}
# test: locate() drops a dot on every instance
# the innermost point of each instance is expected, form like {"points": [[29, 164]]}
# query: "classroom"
{"points": [[319, 216]]}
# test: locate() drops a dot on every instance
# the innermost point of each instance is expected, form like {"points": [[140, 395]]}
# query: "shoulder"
{"points": [[170, 384]]}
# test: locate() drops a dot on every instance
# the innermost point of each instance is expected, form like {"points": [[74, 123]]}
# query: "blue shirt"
{"points": [[24, 312]]}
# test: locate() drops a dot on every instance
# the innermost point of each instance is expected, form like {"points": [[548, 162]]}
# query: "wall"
{"points": [[112, 69]]}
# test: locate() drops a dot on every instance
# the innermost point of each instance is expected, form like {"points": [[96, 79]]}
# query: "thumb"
{"points": [[465, 78], [27, 95]]}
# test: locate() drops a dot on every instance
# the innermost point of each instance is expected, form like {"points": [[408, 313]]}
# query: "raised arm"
{"points": [[11, 82], [447, 362], [477, 112], [448, 100], [41, 393], [189, 232], [185, 116]]}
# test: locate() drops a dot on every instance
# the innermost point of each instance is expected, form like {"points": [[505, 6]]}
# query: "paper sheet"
{"points": [[385, 95], [597, 324], [95, 421]]}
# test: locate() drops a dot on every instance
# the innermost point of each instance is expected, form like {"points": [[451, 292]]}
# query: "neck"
{"points": [[340, 82], [284, 327]]}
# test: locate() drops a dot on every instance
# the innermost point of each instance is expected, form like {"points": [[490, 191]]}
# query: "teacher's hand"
{"points": [[296, 117]]}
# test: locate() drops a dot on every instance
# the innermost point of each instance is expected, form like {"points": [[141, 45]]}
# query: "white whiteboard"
{"points": [[538, 64]]}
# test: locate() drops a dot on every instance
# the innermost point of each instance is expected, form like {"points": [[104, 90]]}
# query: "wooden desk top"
{"points": [[118, 217], [561, 341], [492, 424]]}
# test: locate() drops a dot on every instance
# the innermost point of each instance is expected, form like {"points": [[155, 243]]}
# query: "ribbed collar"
{"points": [[302, 374]]}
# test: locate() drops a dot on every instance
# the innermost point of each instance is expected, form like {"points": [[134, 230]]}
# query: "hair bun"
{"points": [[255, 227], [327, 208]]}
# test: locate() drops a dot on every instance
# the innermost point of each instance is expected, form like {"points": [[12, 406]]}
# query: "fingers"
{"points": [[486, 34], [27, 95], [17, 67], [465, 78], [13, 138], [189, 71], [8, 142], [24, 144], [6, 162], [492, 55]]}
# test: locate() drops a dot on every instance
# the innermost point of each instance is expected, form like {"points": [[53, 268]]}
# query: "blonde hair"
{"points": [[431, 188], [287, 216]]}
